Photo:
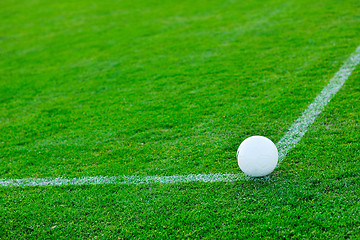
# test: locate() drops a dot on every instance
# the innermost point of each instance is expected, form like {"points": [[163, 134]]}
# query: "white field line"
{"points": [[287, 142], [97, 180], [301, 125]]}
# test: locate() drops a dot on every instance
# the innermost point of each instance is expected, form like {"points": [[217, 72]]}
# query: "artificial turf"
{"points": [[92, 88]]}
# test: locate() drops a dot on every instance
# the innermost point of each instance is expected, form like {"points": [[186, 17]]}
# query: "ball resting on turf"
{"points": [[257, 156]]}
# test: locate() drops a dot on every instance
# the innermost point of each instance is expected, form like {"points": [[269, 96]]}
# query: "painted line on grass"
{"points": [[301, 125], [286, 143], [98, 180]]}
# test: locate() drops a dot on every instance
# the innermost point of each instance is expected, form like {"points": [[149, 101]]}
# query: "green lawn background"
{"points": [[93, 88]]}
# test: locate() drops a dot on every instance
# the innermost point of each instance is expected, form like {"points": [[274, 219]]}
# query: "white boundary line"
{"points": [[97, 180], [301, 125], [286, 143]]}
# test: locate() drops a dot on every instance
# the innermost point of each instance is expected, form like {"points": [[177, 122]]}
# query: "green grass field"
{"points": [[111, 88]]}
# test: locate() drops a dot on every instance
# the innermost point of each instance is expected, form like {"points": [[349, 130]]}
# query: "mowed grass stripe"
{"points": [[287, 142]]}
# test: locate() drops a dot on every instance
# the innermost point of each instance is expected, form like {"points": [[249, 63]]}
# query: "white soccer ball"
{"points": [[257, 156]]}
